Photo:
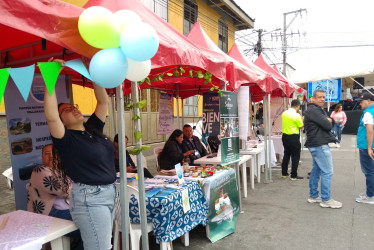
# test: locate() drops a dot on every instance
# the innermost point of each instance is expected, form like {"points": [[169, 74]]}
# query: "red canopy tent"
{"points": [[294, 86], [57, 22], [273, 85], [237, 73]]}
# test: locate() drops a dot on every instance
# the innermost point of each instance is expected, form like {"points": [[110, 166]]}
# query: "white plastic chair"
{"points": [[135, 228], [144, 160], [156, 152]]}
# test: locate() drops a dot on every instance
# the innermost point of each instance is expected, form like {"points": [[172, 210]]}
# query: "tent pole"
{"points": [[143, 211], [123, 170], [265, 118], [328, 96], [270, 140], [177, 97], [182, 103], [112, 112]]}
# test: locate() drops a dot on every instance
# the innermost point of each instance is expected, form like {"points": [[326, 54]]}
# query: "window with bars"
{"points": [[160, 7], [223, 35], [190, 106], [190, 12]]}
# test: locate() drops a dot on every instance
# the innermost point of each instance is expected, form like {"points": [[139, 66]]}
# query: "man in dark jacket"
{"points": [[191, 142], [318, 132]]}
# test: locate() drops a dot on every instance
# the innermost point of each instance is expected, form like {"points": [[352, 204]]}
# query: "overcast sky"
{"points": [[327, 23]]}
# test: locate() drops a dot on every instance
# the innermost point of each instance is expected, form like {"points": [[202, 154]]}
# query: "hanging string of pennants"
{"points": [[50, 71]]}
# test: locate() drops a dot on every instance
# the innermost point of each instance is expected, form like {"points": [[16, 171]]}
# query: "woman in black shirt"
{"points": [[172, 153], [88, 159]]}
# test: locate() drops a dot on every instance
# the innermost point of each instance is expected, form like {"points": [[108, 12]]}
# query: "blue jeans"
{"points": [[367, 166], [92, 209], [337, 130], [322, 169]]}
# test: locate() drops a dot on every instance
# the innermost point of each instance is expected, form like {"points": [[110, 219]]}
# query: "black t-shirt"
{"points": [[88, 157]]}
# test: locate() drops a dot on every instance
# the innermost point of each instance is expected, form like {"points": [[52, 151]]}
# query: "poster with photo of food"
{"points": [[28, 130]]}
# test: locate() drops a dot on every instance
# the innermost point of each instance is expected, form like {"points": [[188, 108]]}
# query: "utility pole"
{"points": [[285, 27], [259, 42]]}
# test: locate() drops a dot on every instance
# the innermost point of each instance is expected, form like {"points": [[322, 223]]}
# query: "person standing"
{"points": [[318, 134], [340, 120], [365, 136], [292, 122], [88, 159]]}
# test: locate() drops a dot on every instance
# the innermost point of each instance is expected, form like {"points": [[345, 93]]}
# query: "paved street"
{"points": [[277, 215]]}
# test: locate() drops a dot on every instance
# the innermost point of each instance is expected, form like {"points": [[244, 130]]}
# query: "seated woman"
{"points": [[172, 153], [49, 189], [130, 165]]}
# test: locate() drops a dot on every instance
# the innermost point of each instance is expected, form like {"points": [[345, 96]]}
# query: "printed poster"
{"points": [[211, 117], [28, 130], [333, 89], [229, 128], [166, 114], [224, 205]]}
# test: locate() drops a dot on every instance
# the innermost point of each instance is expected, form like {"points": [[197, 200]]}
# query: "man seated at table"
{"points": [[130, 165], [191, 142]]}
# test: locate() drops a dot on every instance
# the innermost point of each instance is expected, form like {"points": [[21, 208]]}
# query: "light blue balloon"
{"points": [[108, 68], [139, 41]]}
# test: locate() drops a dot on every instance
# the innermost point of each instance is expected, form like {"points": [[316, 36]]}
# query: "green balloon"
{"points": [[98, 27]]}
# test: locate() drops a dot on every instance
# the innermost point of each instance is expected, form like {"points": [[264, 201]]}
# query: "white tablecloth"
{"points": [[278, 144]]}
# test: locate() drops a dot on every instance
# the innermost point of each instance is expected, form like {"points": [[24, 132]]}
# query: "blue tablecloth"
{"points": [[166, 212]]}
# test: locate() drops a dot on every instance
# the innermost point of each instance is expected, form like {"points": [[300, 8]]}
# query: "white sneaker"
{"points": [[314, 200], [331, 204], [338, 145], [365, 199]]}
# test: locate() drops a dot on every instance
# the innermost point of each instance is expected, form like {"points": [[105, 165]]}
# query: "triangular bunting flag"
{"points": [[78, 66], [4, 75], [23, 78], [50, 72]]}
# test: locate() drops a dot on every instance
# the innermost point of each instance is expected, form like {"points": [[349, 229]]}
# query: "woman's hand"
{"points": [[62, 62], [188, 153]]}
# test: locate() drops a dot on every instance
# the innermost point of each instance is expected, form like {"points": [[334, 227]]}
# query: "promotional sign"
{"points": [[333, 89], [223, 205], [210, 115], [28, 130], [166, 114], [229, 128]]}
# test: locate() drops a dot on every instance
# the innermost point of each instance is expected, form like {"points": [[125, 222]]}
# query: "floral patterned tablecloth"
{"points": [[166, 212]]}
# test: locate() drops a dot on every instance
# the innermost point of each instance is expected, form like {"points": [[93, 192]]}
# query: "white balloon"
{"points": [[126, 17], [138, 71]]}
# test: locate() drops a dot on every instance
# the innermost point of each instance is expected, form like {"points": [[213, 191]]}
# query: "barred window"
{"points": [[159, 7], [190, 15], [223, 34], [190, 106]]}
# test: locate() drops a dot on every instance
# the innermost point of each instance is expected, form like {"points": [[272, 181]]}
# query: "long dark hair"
{"points": [[173, 138], [59, 170], [337, 107]]}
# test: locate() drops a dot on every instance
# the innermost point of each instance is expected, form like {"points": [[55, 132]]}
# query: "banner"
{"points": [[166, 114], [211, 117], [28, 130], [244, 100], [223, 205], [333, 89], [228, 103]]}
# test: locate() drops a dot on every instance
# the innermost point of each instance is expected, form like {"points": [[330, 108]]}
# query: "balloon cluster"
{"points": [[127, 45]]}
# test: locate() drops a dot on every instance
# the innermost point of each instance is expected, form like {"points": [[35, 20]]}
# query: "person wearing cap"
{"points": [[365, 136], [318, 135], [292, 122]]}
